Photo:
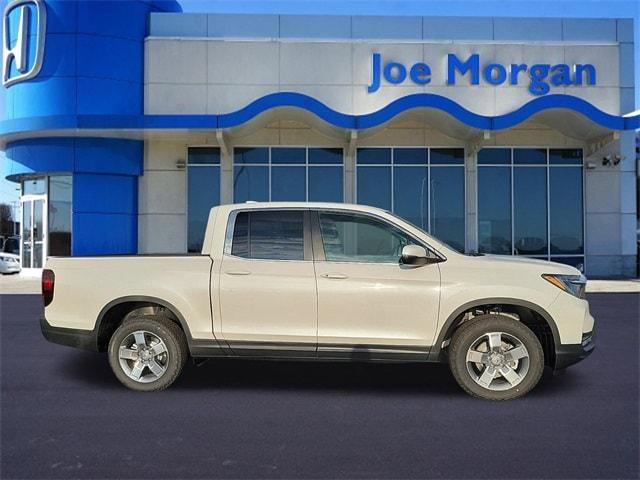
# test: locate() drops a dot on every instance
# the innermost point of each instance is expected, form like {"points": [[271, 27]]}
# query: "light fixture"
{"points": [[181, 164]]}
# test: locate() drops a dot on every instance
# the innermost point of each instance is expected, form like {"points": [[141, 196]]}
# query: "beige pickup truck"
{"points": [[315, 281]]}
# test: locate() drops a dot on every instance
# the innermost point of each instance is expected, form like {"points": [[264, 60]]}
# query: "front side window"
{"points": [[348, 237], [269, 235]]}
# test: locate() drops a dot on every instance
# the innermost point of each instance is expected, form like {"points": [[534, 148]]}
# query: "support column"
{"points": [[470, 174], [471, 220], [350, 168], [226, 167]]}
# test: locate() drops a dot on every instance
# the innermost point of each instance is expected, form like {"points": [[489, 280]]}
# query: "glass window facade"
{"points": [[203, 192], [530, 202], [425, 186], [46, 221], [288, 174], [34, 186]]}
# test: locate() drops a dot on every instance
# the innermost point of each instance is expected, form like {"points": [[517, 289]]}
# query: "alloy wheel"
{"points": [[497, 361], [143, 356]]}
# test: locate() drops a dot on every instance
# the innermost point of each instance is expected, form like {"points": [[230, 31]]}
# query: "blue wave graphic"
{"points": [[322, 111], [428, 100]]}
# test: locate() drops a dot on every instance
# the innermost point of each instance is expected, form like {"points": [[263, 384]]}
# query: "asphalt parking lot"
{"points": [[65, 416]]}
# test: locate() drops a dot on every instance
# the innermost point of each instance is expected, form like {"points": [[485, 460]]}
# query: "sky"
{"points": [[495, 8]]}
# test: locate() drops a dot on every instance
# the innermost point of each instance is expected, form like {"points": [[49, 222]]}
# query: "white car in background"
{"points": [[9, 254], [9, 263]]}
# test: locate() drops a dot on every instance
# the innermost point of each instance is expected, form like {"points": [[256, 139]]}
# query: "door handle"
{"points": [[334, 276], [238, 272]]}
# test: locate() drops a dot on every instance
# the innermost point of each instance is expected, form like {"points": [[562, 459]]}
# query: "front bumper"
{"points": [[71, 337], [567, 355]]}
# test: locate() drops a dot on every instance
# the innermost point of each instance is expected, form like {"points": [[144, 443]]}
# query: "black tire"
{"points": [[166, 330], [473, 330]]}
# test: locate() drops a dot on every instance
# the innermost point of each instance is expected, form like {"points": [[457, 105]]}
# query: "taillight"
{"points": [[48, 281]]}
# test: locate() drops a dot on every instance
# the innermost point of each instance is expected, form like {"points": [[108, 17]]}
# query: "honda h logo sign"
{"points": [[25, 23]]}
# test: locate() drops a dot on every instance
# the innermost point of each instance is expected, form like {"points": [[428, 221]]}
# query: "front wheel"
{"points": [[147, 353], [496, 358]]}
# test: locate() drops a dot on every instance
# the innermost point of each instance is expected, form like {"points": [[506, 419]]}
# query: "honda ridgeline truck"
{"points": [[319, 281]]}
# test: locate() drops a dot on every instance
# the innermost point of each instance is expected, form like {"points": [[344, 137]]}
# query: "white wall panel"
{"points": [[162, 233], [242, 63]]}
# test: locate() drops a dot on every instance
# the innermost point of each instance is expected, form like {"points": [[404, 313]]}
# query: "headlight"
{"points": [[572, 284]]}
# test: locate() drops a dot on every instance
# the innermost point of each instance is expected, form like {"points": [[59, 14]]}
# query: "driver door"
{"points": [[368, 303]]}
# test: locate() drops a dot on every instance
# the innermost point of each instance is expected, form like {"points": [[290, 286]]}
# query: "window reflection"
{"points": [[326, 156], [408, 156], [529, 156], [203, 192], [411, 195], [269, 235], [357, 238], [447, 205], [374, 186], [494, 210], [288, 155], [428, 195], [577, 262], [33, 186], [60, 198], [295, 174], [250, 155], [326, 184], [566, 217], [288, 184], [565, 156], [374, 156], [494, 156], [530, 211], [547, 221], [447, 156], [250, 183]]}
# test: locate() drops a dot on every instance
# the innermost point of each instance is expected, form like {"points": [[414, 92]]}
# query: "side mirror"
{"points": [[415, 255]]}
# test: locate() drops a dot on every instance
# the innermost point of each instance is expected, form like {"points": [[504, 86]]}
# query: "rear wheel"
{"points": [[147, 353], [496, 358]]}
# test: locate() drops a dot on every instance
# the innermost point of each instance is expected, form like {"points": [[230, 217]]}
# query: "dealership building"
{"points": [[127, 121]]}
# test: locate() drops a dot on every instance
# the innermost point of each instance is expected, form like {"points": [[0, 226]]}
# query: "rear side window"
{"points": [[269, 235]]}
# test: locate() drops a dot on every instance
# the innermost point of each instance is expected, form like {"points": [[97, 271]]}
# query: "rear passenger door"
{"points": [[268, 295]]}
